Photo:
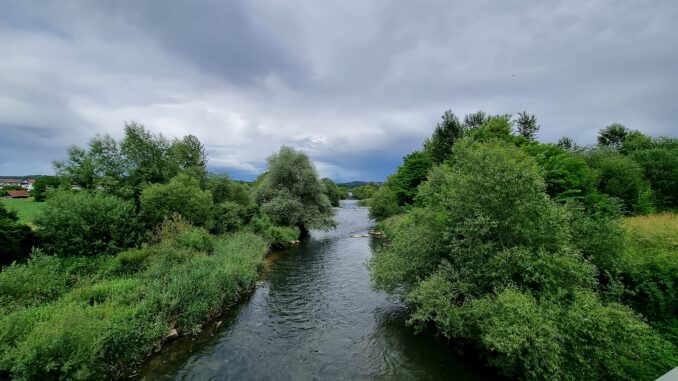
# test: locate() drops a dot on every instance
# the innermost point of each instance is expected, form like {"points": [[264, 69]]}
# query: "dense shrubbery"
{"points": [[515, 247], [87, 223], [83, 318], [181, 195]]}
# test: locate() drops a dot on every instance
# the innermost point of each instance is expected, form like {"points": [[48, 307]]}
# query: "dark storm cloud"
{"points": [[356, 84]]}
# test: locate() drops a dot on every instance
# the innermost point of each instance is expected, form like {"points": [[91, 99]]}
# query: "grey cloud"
{"points": [[356, 84]]}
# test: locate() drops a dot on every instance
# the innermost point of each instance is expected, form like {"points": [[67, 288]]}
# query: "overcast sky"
{"points": [[355, 84]]}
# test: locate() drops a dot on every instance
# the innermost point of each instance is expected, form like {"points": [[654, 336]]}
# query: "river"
{"points": [[314, 316]]}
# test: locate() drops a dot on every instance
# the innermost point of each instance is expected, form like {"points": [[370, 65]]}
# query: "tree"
{"points": [[660, 169], [613, 136], [404, 182], [566, 143], [621, 177], [45, 183], [291, 193], [182, 196], [365, 191], [526, 125], [16, 239], [332, 190], [446, 133], [475, 120], [87, 223]]}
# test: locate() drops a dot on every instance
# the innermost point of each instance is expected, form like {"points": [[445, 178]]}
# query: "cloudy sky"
{"points": [[355, 84]]}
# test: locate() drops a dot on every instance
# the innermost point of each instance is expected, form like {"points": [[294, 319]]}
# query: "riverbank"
{"points": [[84, 317]]}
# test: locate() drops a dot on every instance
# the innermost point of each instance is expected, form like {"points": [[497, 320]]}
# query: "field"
{"points": [[26, 207]]}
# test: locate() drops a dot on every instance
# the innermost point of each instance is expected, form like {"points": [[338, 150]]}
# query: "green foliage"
{"points": [[526, 125], [87, 223], [408, 176], [334, 194], [182, 196], [16, 239], [124, 168], [492, 260], [365, 191], [100, 325], [660, 169], [291, 193], [613, 136], [274, 234], [384, 204], [439, 146], [45, 183], [621, 177]]}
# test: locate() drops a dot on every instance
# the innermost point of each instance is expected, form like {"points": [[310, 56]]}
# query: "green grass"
{"points": [[27, 208], [94, 317]]}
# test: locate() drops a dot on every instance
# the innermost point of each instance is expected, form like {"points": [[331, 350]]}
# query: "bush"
{"points": [[384, 204], [619, 176], [276, 235], [182, 196], [87, 223], [16, 239]]}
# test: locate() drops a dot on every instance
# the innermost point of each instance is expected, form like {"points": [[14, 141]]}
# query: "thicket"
{"points": [[516, 248], [90, 317]]}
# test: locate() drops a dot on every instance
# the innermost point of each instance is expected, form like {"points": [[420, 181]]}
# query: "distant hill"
{"points": [[355, 184]]}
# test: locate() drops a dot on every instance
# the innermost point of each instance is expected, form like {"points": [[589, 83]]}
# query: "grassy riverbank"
{"points": [[82, 318]]}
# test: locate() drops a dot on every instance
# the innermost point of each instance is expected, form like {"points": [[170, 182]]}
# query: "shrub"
{"points": [[182, 196], [384, 204], [87, 223]]}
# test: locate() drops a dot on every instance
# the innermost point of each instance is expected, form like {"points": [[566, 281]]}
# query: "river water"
{"points": [[314, 316]]}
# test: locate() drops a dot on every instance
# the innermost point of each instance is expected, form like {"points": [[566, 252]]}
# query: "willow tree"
{"points": [[291, 193]]}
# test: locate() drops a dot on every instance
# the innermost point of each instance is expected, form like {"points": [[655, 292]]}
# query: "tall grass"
{"points": [[91, 318]]}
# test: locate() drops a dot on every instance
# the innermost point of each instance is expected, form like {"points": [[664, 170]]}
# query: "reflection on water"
{"points": [[313, 317]]}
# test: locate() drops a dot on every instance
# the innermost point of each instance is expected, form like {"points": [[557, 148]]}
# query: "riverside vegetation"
{"points": [[549, 260], [137, 243]]}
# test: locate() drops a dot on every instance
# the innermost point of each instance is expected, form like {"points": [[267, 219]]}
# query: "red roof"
{"points": [[18, 193]]}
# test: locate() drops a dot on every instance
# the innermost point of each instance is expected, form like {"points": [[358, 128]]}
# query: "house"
{"points": [[27, 184], [17, 194]]}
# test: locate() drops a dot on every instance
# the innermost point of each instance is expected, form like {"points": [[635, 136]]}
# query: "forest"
{"points": [[135, 243], [551, 261]]}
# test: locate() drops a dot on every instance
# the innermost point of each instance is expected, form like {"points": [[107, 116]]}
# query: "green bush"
{"points": [[87, 223], [384, 204], [86, 325], [183, 196], [491, 260], [16, 239]]}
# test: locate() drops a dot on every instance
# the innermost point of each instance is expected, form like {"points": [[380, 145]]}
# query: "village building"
{"points": [[27, 184]]}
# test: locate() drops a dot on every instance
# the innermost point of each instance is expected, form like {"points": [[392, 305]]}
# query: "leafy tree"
{"points": [[333, 192], [182, 196], [43, 184], [16, 239], [87, 223], [566, 143], [447, 132], [124, 168], [404, 182], [384, 203], [619, 176], [291, 193], [527, 125], [660, 169], [365, 191], [613, 136], [475, 120]]}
